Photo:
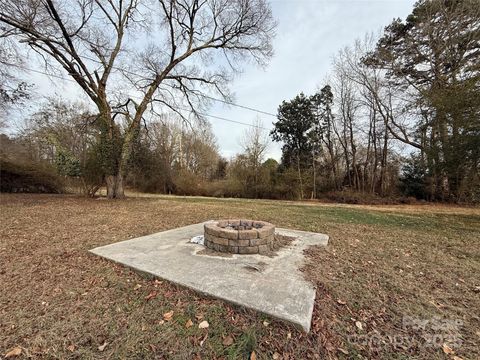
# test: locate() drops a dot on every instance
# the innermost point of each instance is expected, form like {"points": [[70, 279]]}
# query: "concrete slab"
{"points": [[272, 285]]}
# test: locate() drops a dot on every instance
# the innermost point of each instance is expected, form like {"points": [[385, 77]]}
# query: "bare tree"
{"points": [[12, 89], [149, 44], [255, 143], [376, 100], [348, 106]]}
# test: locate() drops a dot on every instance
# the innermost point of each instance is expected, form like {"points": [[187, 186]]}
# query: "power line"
{"points": [[231, 103], [184, 109], [238, 105], [225, 119], [203, 95], [41, 72]]}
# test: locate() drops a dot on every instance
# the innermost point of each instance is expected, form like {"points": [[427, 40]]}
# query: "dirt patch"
{"points": [[279, 242], [210, 252]]}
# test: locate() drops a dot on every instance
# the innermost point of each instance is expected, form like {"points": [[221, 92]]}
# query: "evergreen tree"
{"points": [[413, 180], [293, 128], [433, 55]]}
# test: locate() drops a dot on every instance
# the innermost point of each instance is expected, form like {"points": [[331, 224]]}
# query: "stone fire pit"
{"points": [[239, 236], [273, 285]]}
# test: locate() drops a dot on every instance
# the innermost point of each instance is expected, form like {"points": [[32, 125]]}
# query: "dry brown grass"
{"points": [[383, 263]]}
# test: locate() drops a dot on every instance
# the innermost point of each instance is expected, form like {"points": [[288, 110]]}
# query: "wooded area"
{"points": [[398, 117]]}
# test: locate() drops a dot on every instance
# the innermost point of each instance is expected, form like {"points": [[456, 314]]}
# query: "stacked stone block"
{"points": [[252, 237]]}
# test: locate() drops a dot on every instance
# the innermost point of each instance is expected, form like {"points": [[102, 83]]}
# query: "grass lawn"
{"points": [[395, 282]]}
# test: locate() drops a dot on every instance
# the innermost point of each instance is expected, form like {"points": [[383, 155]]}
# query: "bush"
{"points": [[28, 178], [92, 174], [186, 183], [287, 186], [216, 188], [413, 180]]}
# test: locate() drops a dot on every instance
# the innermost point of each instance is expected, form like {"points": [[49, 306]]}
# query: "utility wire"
{"points": [[238, 105], [224, 119], [231, 103], [203, 95], [184, 109]]}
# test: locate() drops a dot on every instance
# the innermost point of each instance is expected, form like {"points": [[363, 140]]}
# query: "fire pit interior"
{"points": [[239, 236]]}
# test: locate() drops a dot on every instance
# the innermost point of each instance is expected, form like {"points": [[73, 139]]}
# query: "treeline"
{"points": [[60, 145], [398, 118], [399, 115]]}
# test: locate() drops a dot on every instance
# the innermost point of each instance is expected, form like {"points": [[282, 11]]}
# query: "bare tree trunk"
{"points": [[115, 188], [375, 157], [314, 193], [331, 161], [342, 139], [383, 162], [300, 176], [368, 177], [111, 181], [354, 155]]}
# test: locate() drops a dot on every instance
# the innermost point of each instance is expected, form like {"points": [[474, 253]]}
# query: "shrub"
{"points": [[186, 183], [92, 174], [26, 177], [413, 180]]}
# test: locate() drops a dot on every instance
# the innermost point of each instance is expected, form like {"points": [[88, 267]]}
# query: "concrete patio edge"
{"points": [[278, 290]]}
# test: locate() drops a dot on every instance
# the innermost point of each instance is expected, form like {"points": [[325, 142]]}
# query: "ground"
{"points": [[391, 275]]}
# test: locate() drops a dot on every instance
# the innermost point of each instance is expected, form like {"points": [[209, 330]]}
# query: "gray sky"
{"points": [[309, 33]]}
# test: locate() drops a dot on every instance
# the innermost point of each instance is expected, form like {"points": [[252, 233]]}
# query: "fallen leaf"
{"points": [[203, 325], [203, 340], [161, 322], [447, 349], [151, 295], [253, 356], [16, 351], [71, 348], [289, 335], [341, 302], [103, 346], [168, 316], [439, 306], [189, 323], [266, 323], [359, 325], [138, 286], [227, 341], [276, 356], [329, 347]]}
